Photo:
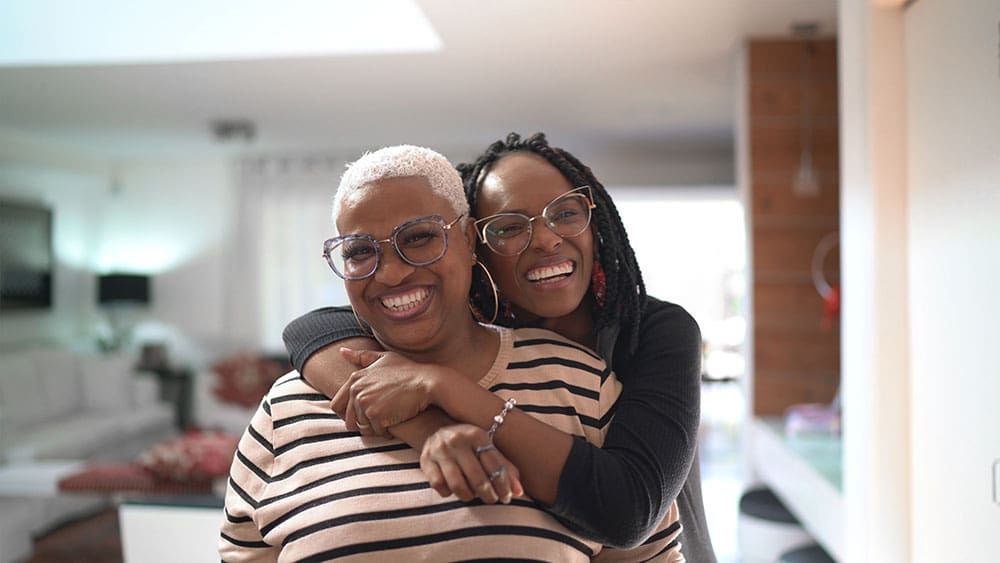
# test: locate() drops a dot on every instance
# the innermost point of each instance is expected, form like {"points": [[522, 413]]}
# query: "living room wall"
{"points": [[71, 191], [170, 218]]}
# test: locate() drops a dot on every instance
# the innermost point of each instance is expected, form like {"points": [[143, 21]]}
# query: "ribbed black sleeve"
{"points": [[316, 329], [617, 494]]}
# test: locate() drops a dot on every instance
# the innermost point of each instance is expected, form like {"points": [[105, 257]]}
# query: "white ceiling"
{"points": [[590, 72]]}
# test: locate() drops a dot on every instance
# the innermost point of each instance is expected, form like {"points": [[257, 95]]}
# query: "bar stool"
{"points": [[766, 529], [808, 554]]}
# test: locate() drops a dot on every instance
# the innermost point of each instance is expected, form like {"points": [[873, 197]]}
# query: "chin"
{"points": [[552, 309]]}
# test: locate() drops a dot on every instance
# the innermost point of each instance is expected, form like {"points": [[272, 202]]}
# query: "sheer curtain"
{"points": [[277, 271]]}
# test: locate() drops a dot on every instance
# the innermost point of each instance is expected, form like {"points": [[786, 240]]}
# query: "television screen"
{"points": [[26, 262]]}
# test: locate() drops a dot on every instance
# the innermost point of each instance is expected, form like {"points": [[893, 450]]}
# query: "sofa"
{"points": [[61, 405]]}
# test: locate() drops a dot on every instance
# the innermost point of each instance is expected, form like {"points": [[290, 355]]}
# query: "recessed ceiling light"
{"points": [[68, 32]]}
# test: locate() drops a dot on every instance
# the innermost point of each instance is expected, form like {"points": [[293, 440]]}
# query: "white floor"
{"points": [[724, 472]]}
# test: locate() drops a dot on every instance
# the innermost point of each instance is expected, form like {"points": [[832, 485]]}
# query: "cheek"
{"points": [[355, 293]]}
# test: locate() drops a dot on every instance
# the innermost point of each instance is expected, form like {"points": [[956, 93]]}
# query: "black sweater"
{"points": [[616, 494]]}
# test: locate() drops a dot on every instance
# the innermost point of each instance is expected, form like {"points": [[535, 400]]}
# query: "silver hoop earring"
{"points": [[367, 332], [496, 297]]}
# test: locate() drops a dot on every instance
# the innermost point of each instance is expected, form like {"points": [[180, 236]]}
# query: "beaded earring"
{"points": [[598, 281], [598, 284]]}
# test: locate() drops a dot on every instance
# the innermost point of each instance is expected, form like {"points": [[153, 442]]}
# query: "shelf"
{"points": [[806, 474]]}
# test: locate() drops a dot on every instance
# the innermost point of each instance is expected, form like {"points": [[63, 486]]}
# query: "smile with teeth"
{"points": [[550, 273], [405, 301]]}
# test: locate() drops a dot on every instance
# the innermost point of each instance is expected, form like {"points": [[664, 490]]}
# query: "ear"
{"points": [[470, 234]]}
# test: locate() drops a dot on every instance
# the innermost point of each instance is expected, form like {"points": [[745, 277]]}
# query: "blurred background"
{"points": [[194, 148]]}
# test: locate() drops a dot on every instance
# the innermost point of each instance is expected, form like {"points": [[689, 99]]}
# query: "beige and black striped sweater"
{"points": [[304, 488]]}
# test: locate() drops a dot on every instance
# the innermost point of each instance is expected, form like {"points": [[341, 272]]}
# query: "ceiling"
{"points": [[603, 73]]}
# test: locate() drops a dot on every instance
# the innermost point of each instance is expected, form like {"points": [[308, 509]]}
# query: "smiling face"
{"points": [[410, 308], [551, 278]]}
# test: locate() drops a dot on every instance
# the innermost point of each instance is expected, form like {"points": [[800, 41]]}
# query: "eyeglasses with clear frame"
{"points": [[509, 234], [418, 242]]}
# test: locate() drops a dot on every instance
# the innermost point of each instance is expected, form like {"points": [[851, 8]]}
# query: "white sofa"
{"points": [[58, 405]]}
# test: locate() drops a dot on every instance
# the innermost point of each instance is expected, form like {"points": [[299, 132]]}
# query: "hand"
{"points": [[452, 466], [386, 390]]}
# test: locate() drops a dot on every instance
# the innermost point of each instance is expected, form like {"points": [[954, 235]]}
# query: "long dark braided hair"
{"points": [[626, 293]]}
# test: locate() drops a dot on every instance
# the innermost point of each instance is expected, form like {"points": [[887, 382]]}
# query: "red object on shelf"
{"points": [[831, 308]]}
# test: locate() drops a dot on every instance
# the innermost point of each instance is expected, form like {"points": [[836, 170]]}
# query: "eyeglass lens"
{"points": [[510, 233], [419, 244]]}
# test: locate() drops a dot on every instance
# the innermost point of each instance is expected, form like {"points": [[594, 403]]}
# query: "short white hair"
{"points": [[401, 161]]}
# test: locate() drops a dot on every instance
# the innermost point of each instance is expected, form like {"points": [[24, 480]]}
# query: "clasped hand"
{"points": [[386, 390], [458, 459]]}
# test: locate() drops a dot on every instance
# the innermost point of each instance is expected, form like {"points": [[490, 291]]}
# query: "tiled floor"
{"points": [[723, 463]]}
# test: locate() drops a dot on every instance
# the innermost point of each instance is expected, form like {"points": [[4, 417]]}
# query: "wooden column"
{"points": [[792, 107]]}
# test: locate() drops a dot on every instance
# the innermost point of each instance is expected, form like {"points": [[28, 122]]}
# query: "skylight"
{"points": [[69, 32]]}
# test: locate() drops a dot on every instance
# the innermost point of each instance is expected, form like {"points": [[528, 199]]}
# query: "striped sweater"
{"points": [[304, 488]]}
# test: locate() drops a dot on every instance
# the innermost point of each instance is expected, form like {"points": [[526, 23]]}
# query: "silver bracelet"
{"points": [[498, 419]]}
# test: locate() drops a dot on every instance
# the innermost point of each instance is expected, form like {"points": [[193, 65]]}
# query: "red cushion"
{"points": [[127, 477]]}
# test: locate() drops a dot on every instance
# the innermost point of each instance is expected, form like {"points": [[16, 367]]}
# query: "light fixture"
{"points": [[806, 182], [119, 294], [117, 289], [229, 130]]}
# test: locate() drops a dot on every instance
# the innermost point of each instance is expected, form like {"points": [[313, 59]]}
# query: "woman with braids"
{"points": [[587, 287]]}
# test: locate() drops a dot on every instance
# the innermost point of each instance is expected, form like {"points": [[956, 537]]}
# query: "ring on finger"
{"points": [[483, 449], [498, 473]]}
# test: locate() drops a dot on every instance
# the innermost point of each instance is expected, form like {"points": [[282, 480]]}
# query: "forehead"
{"points": [[521, 181], [377, 207]]}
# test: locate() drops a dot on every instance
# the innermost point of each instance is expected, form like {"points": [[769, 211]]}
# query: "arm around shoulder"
{"points": [[317, 329], [650, 444]]}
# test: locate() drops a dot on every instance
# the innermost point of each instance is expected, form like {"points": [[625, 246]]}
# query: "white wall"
{"points": [[875, 377], [169, 218], [953, 120], [920, 150], [174, 219], [73, 188]]}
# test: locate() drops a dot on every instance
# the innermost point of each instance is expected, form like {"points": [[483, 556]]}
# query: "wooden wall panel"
{"points": [[795, 360]]}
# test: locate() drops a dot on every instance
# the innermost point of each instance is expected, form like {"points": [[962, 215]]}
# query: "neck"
{"points": [[578, 326], [468, 348]]}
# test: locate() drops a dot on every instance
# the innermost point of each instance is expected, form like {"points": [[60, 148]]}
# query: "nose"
{"points": [[543, 238], [392, 269]]}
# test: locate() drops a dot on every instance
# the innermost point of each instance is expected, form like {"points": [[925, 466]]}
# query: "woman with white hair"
{"points": [[304, 487]]}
